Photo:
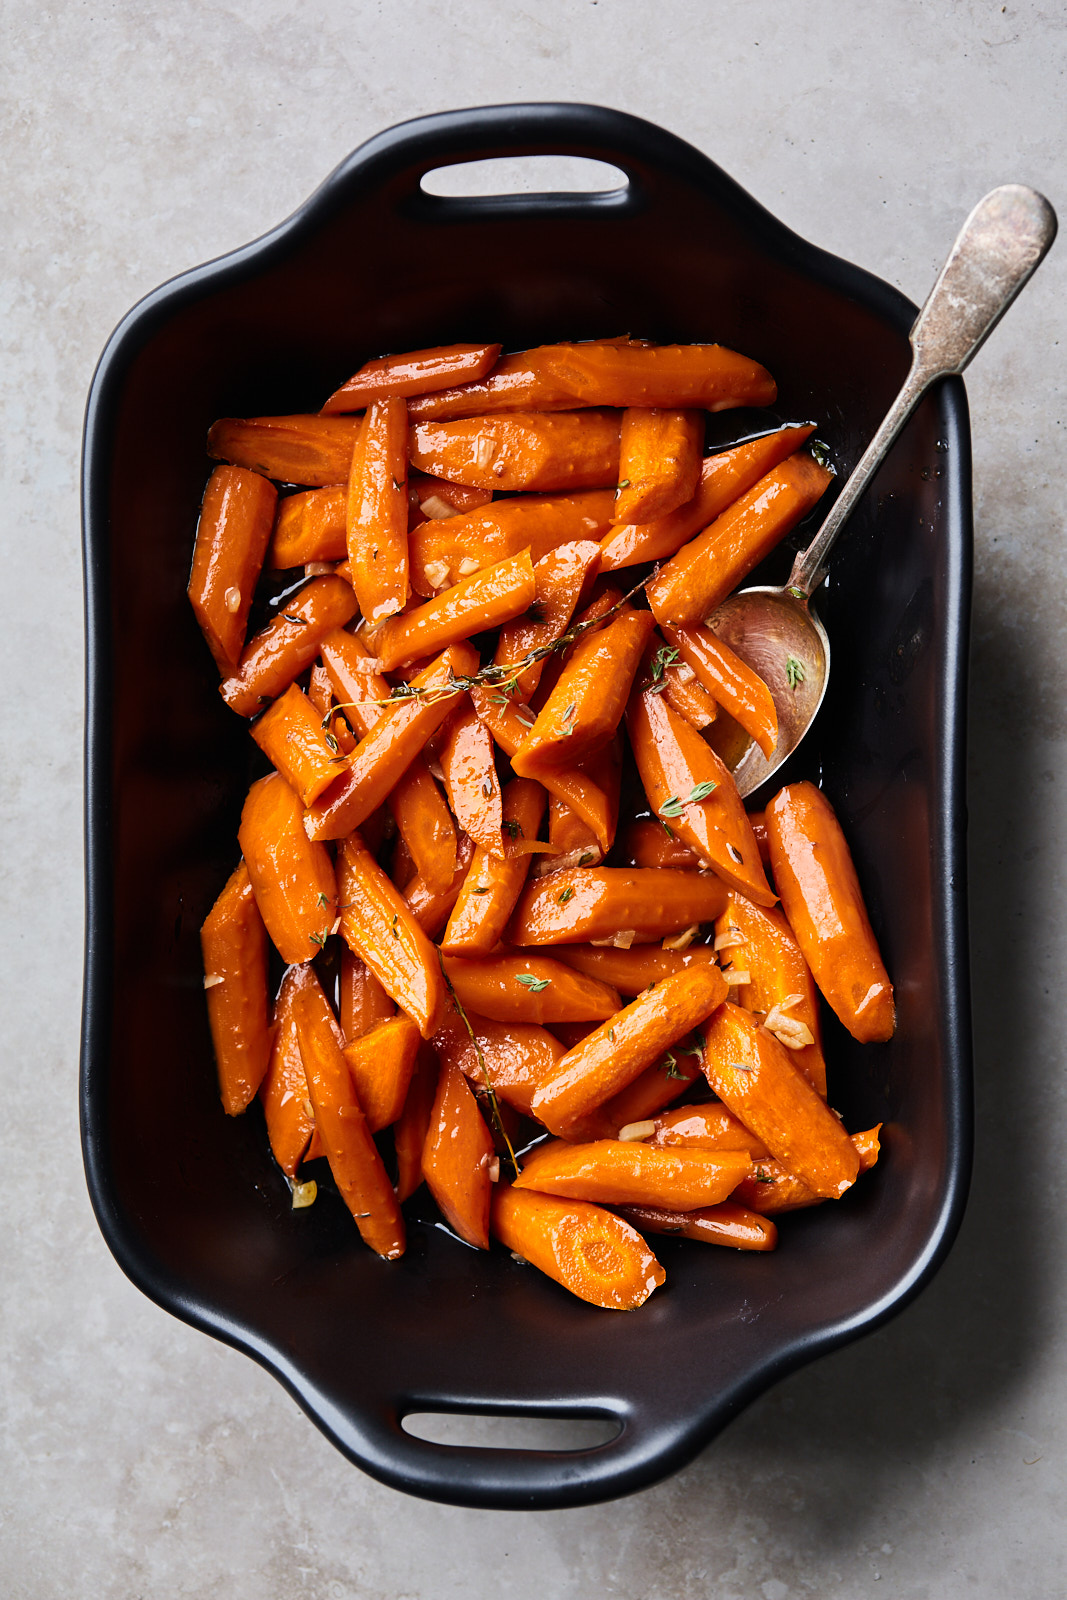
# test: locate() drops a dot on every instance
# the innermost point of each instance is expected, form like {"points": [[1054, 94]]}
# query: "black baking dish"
{"points": [[189, 1200]]}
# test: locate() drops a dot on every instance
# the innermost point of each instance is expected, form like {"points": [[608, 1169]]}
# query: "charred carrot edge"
{"points": [[730, 681], [457, 1158], [292, 878], [231, 541], [528, 450], [590, 1251], [415, 372], [493, 883], [522, 988], [726, 1224], [627, 1172], [288, 644], [381, 1063], [378, 926], [659, 461], [309, 450], [234, 945]]}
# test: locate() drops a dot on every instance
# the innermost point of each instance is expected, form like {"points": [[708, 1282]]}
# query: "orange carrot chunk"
{"points": [[652, 844], [730, 681], [234, 944], [627, 1172], [292, 878], [363, 1001], [727, 1224], [484, 600], [444, 550], [231, 540], [457, 1158], [772, 1188], [590, 1251], [432, 906], [522, 450], [613, 902], [414, 372], [291, 736], [381, 1063], [288, 645], [659, 462], [706, 1127], [513, 988], [310, 527], [631, 971], [283, 1093], [378, 926], [511, 1058], [470, 778], [494, 882], [756, 943], [296, 449], [377, 512]]}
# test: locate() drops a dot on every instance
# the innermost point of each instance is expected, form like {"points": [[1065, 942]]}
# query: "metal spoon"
{"points": [[1003, 241]]}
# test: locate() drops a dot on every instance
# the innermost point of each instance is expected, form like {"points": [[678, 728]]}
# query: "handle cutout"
{"points": [[465, 1430], [503, 175]]}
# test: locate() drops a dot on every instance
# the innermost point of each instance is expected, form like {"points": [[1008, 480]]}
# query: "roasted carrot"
{"points": [[414, 372], [339, 1121], [626, 1172], [756, 943], [381, 1063], [284, 1092], [651, 843], [363, 1001], [296, 449], [470, 779], [511, 1058], [513, 988], [432, 499], [727, 1224], [591, 1252], [609, 373], [457, 1158], [641, 1101], [376, 520], [612, 903], [231, 541], [631, 971], [332, 723], [310, 527], [758, 820], [484, 600], [413, 1124], [378, 926], [703, 573], [234, 945], [432, 906], [522, 450], [494, 882], [687, 695], [772, 1189], [615, 1053], [559, 579], [659, 462], [290, 735], [288, 644], [756, 1079], [573, 842], [442, 552], [292, 878], [730, 681], [823, 902]]}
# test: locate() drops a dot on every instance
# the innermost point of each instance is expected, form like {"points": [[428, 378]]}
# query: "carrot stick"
{"points": [[759, 942], [686, 694], [383, 756], [378, 926], [772, 1189], [432, 499], [672, 1075], [284, 1092], [443, 551], [332, 723], [690, 789], [705, 571], [609, 373], [659, 462], [612, 901], [295, 449], [726, 1224], [613, 1054], [706, 1127], [456, 1158], [288, 644], [559, 580], [310, 527], [234, 944], [482, 601], [413, 1124], [511, 1058], [493, 883], [415, 372], [470, 778], [231, 540], [823, 902], [730, 680], [292, 878], [363, 1001], [354, 1160], [652, 844], [376, 521], [631, 971], [591, 1252], [618, 1172], [290, 735], [512, 988], [432, 906], [756, 1079], [723, 479], [522, 450], [381, 1063]]}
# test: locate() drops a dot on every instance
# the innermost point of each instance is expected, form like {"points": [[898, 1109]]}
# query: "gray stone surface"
{"points": [[140, 1459]]}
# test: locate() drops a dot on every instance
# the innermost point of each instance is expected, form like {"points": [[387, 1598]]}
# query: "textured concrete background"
{"points": [[140, 1459]]}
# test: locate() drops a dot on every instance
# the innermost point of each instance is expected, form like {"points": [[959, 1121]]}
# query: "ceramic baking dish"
{"points": [[188, 1199]]}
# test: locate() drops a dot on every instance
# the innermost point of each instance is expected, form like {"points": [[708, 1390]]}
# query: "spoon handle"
{"points": [[1003, 241]]}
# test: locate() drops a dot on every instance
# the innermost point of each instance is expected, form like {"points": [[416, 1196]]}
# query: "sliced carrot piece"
{"points": [[381, 1063], [688, 696], [484, 600], [522, 450], [608, 902], [288, 644], [435, 498], [559, 579], [730, 681], [756, 1079], [431, 906], [631, 971], [310, 527], [457, 1156], [512, 988], [573, 842], [231, 541], [415, 372], [626, 1172], [651, 843], [772, 1188], [284, 1094], [759, 942], [234, 944], [291, 737], [706, 1127], [294, 449], [590, 1251], [511, 1058], [363, 1001], [378, 926], [493, 882], [471, 781], [292, 878], [443, 551], [659, 462], [333, 724], [376, 521], [727, 1224]]}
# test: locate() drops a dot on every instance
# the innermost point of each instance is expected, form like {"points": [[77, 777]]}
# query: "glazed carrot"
{"points": [[290, 735], [442, 552], [417, 804], [727, 1224], [413, 1124], [484, 600], [231, 540], [494, 882], [772, 1189], [730, 680], [631, 1040], [703, 573], [310, 527], [559, 579], [611, 901], [652, 844], [234, 944], [513, 1058], [295, 449], [591, 1252], [339, 1121], [687, 695], [528, 450], [513, 988], [292, 878], [641, 1101], [431, 906], [376, 520], [363, 1001], [822, 899], [573, 842], [377, 925], [288, 644], [381, 1063], [457, 1157], [387, 751], [626, 1172], [584, 709], [659, 462], [609, 373], [723, 478], [470, 779], [758, 820], [415, 372], [332, 723], [631, 971], [706, 1127], [758, 943], [756, 1079], [435, 498], [284, 1092]]}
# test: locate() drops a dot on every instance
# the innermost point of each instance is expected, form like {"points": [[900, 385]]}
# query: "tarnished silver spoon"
{"points": [[1003, 241]]}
